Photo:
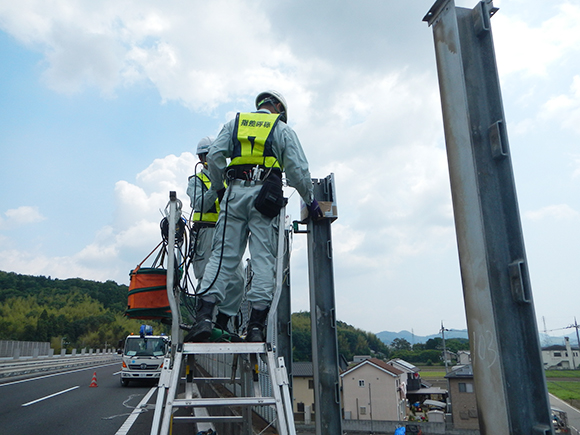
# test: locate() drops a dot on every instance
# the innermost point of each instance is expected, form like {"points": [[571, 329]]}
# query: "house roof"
{"points": [[381, 365], [465, 371], [427, 391], [407, 366], [303, 369], [559, 347]]}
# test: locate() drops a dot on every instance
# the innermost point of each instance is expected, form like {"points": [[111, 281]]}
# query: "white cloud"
{"points": [[558, 212], [110, 44], [119, 247], [21, 216], [564, 109], [534, 50]]}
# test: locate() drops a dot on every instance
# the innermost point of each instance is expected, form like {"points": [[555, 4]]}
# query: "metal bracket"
{"points": [[520, 290], [541, 429], [481, 17], [498, 140]]}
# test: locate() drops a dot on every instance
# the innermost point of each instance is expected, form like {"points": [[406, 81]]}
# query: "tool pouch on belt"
{"points": [[271, 199]]}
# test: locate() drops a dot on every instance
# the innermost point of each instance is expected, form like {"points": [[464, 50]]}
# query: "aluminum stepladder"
{"points": [[247, 362]]}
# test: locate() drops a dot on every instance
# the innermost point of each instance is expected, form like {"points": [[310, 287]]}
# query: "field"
{"points": [[564, 384]]}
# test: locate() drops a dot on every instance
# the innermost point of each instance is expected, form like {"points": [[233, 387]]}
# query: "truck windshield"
{"points": [[145, 346]]}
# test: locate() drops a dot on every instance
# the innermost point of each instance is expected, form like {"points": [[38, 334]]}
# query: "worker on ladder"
{"points": [[204, 202], [261, 146]]}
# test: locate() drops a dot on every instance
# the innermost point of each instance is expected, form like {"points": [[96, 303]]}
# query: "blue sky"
{"points": [[102, 105]]}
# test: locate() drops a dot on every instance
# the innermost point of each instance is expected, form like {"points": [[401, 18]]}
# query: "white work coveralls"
{"points": [[241, 217], [202, 200]]}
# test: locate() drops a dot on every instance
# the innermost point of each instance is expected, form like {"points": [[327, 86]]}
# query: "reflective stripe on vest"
{"points": [[212, 213], [253, 140]]}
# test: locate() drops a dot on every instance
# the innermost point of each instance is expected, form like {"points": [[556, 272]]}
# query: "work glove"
{"points": [[314, 210], [220, 194]]}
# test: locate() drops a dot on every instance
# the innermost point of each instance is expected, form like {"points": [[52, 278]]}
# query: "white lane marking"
{"points": [[56, 374], [123, 430], [48, 397]]}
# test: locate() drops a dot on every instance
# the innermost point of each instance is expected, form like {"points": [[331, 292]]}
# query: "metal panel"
{"points": [[509, 379], [323, 317]]}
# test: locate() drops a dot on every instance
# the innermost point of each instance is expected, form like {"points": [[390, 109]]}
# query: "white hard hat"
{"points": [[264, 97], [203, 145]]}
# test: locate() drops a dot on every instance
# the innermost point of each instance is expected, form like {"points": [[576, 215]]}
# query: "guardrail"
{"points": [[13, 368]]}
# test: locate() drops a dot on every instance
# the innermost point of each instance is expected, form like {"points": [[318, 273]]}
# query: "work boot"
{"points": [[256, 325], [222, 324], [222, 321], [203, 327]]}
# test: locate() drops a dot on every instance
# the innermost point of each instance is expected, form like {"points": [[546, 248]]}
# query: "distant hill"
{"points": [[77, 312], [387, 337], [549, 340]]}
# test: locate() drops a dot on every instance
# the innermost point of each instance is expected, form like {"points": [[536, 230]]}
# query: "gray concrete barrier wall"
{"points": [[9, 348]]}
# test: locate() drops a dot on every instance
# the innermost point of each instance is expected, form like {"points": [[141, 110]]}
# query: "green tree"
{"points": [[400, 344], [351, 341], [419, 346], [434, 343], [44, 309]]}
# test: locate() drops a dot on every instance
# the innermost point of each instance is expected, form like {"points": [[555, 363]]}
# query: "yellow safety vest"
{"points": [[253, 140], [212, 214]]}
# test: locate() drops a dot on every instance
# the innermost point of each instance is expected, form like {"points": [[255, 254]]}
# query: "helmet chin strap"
{"points": [[274, 102]]}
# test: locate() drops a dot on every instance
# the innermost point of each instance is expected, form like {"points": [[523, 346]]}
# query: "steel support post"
{"points": [[509, 381], [323, 317]]}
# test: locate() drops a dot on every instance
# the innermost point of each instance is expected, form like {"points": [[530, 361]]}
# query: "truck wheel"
{"points": [[124, 382]]}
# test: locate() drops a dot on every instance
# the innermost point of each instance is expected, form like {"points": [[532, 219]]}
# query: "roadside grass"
{"points": [[568, 391], [564, 384], [433, 374], [562, 374], [429, 373], [565, 390]]}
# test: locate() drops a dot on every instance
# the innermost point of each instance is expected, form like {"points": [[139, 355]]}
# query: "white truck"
{"points": [[143, 356]]}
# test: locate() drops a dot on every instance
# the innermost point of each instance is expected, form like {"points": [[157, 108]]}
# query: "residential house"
{"points": [[303, 391], [561, 356], [360, 358], [462, 396], [371, 390], [303, 388], [463, 357]]}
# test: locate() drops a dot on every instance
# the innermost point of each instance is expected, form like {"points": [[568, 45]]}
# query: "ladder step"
{"points": [[225, 401], [208, 419], [207, 380], [216, 348]]}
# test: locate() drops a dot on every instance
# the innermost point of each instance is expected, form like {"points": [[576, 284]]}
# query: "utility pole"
{"points": [[444, 347], [510, 386]]}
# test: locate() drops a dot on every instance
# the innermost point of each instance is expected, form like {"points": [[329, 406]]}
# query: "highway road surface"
{"points": [[573, 414], [64, 403]]}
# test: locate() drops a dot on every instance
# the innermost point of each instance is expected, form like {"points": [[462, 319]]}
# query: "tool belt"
{"points": [[197, 225], [244, 172]]}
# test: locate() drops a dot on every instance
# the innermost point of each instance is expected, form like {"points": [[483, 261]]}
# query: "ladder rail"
{"points": [[286, 399], [164, 382], [175, 377], [252, 393], [281, 414], [271, 330]]}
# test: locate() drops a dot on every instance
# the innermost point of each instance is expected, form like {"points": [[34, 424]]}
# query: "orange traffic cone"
{"points": [[94, 380]]}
